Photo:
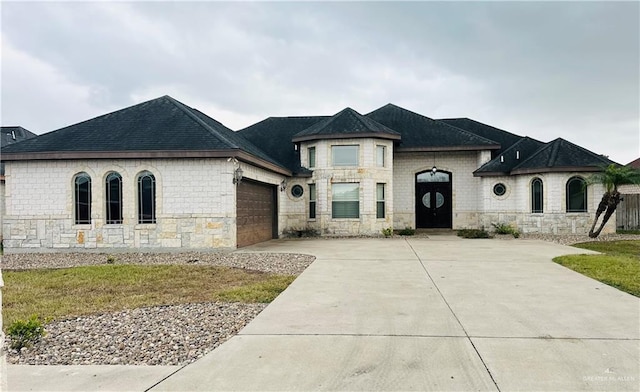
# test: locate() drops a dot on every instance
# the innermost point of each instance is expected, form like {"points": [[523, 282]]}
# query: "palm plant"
{"points": [[611, 177]]}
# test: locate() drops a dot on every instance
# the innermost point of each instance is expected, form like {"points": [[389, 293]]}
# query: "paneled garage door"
{"points": [[256, 212]]}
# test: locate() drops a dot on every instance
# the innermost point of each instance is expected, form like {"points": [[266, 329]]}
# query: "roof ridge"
{"points": [[485, 124], [188, 111]]}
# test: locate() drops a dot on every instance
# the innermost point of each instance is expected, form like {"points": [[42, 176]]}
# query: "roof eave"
{"points": [[490, 174], [447, 148], [147, 154], [558, 169], [376, 135]]}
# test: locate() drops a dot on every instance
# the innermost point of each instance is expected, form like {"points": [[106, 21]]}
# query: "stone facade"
{"points": [[367, 174], [196, 199], [195, 205], [515, 206], [465, 197]]}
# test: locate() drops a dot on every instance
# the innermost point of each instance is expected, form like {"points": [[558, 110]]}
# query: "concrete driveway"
{"points": [[437, 313]]}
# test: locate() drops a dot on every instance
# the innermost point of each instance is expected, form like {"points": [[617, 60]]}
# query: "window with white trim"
{"points": [[380, 154], [345, 200], [344, 155], [312, 201], [380, 201], [576, 195]]}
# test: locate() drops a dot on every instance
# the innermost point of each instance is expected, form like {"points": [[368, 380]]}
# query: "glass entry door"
{"points": [[433, 200]]}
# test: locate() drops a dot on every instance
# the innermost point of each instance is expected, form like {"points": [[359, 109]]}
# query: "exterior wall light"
{"points": [[237, 176], [434, 169], [283, 185]]}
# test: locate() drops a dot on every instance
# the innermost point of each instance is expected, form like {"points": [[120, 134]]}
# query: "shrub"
{"points": [[301, 232], [473, 233], [24, 333], [502, 228], [407, 231], [111, 259], [388, 232]]}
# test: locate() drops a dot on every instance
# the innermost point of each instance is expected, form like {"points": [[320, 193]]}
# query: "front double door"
{"points": [[433, 200]]}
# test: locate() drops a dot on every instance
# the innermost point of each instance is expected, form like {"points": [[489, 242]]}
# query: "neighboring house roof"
{"points": [[504, 138], [420, 133], [12, 135], [561, 155], [635, 164], [160, 128], [275, 135], [509, 158], [346, 124]]}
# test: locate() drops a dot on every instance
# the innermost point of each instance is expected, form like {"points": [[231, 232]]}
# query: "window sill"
{"points": [[145, 226]]}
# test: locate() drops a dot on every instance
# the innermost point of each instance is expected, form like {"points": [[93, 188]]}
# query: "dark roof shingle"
{"points": [[561, 155], [424, 133], [346, 124]]}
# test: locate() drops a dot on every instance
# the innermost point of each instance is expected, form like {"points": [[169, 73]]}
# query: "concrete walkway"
{"points": [[437, 313]]}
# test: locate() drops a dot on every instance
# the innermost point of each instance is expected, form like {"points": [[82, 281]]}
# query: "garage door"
{"points": [[256, 212]]}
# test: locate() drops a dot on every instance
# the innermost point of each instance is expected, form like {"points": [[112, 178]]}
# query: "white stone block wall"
{"points": [[367, 174], [195, 205], [514, 207], [464, 186]]}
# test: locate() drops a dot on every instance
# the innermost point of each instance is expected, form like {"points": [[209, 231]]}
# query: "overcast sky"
{"points": [[539, 69]]}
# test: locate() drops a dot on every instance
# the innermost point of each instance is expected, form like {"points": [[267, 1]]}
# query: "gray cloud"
{"points": [[541, 69]]}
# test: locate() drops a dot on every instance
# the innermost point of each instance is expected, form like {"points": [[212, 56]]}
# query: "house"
{"points": [[9, 135], [161, 174]]}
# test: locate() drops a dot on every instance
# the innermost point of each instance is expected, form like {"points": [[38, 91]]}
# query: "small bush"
{"points": [[301, 232], [502, 228], [111, 259], [407, 231], [24, 333], [388, 232], [473, 233]]}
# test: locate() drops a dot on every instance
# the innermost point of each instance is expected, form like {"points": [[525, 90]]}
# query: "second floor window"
{"points": [[344, 155], [380, 152], [312, 157]]}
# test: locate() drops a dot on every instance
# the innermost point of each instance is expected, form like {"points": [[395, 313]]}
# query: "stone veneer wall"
{"points": [[465, 196], [514, 207], [195, 205], [367, 174]]}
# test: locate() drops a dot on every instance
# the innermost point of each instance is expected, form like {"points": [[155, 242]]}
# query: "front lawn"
{"points": [[618, 266], [70, 292]]}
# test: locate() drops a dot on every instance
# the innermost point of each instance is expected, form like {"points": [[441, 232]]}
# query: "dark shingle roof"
{"points": [[274, 134], [346, 124], [160, 126], [504, 138], [16, 134], [510, 158], [561, 155], [12, 135], [424, 133]]}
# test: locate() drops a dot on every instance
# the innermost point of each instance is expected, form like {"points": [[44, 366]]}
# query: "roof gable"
{"points": [[346, 124], [634, 164], [162, 127], [561, 155], [510, 158], [421, 133]]}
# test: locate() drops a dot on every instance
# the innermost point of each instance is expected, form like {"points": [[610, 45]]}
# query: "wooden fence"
{"points": [[628, 213]]}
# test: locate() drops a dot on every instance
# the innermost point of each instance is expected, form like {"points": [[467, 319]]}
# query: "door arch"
{"points": [[433, 199]]}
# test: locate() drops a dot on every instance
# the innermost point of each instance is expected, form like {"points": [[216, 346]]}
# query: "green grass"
{"points": [[619, 266], [70, 292], [621, 231]]}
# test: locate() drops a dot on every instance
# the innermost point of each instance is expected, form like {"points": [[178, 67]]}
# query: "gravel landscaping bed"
{"points": [[161, 335]]}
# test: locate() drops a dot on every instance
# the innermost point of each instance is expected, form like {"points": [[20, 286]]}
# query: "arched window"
{"points": [[146, 198], [114, 198], [536, 196], [82, 194], [576, 195]]}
